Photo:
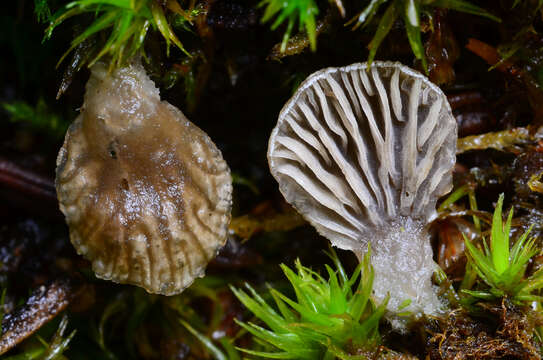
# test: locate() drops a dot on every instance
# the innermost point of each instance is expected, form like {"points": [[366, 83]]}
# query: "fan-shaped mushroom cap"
{"points": [[363, 153], [145, 192]]}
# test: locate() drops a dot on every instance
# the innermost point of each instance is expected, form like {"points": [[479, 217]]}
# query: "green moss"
{"points": [[410, 12], [502, 267], [127, 21], [292, 11], [39, 117], [327, 319]]}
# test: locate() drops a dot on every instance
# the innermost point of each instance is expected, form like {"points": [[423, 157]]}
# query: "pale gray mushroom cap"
{"points": [[364, 154], [146, 193]]}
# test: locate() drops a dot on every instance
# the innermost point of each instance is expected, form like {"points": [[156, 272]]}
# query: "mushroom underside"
{"points": [[363, 153]]}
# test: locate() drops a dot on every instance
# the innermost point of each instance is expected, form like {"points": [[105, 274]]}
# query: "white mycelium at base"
{"points": [[403, 264]]}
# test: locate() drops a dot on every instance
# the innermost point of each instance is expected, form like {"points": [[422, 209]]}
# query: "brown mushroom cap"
{"points": [[146, 193]]}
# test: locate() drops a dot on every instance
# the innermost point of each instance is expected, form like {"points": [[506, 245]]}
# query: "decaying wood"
{"points": [[42, 306]]}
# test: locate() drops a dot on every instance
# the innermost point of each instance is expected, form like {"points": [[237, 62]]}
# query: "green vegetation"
{"points": [[410, 12], [503, 269], [214, 350], [38, 348], [39, 117], [303, 11], [128, 20], [327, 315], [539, 4], [42, 10]]}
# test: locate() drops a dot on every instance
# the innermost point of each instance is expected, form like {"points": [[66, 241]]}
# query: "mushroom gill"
{"points": [[146, 193], [363, 153]]}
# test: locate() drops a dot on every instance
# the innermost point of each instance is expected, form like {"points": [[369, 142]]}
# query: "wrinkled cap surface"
{"points": [[146, 193], [354, 149], [363, 153]]}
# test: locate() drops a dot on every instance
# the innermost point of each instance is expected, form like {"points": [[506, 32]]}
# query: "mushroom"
{"points": [[363, 153], [146, 193]]}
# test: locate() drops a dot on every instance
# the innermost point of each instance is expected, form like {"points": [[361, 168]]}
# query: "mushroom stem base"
{"points": [[403, 265]]}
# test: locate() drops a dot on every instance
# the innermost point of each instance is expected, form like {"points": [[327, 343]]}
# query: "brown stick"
{"points": [[26, 181]]}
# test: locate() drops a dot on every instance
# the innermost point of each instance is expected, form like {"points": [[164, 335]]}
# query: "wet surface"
{"points": [[44, 304], [507, 336]]}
